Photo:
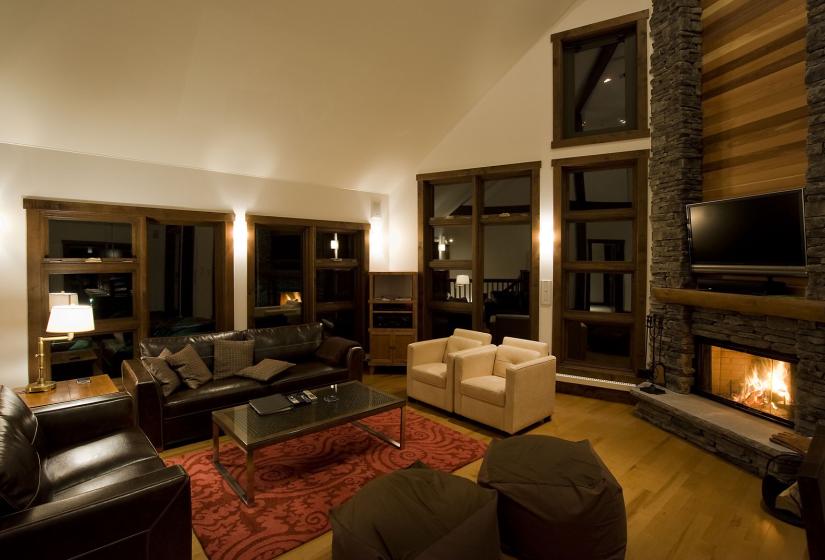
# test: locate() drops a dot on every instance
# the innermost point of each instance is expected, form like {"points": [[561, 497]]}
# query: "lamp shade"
{"points": [[62, 298], [71, 319], [462, 280]]}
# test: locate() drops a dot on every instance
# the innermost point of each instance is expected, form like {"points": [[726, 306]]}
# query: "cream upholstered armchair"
{"points": [[508, 387], [430, 366]]}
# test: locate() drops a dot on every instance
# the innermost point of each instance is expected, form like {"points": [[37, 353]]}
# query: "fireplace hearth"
{"points": [[753, 380]]}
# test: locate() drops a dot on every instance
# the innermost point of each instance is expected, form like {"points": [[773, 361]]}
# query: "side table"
{"points": [[69, 390]]}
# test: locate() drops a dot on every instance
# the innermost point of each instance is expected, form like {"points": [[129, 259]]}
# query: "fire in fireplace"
{"points": [[753, 380]]}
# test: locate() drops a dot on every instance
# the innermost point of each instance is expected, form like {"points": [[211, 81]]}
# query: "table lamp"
{"points": [[65, 319]]}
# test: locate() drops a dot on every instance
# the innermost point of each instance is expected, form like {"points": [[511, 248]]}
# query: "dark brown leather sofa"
{"points": [[80, 480], [185, 415]]}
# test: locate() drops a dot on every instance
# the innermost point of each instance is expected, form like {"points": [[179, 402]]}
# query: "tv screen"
{"points": [[763, 233]]}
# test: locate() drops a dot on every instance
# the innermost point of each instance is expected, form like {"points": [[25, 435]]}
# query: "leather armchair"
{"points": [[430, 366], [100, 490], [508, 387]]}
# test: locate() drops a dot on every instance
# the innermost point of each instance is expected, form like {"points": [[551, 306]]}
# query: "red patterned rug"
{"points": [[297, 482]]}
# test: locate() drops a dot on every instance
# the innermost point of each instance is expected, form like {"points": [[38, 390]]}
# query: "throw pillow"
{"points": [[231, 356], [333, 350], [159, 368], [265, 370], [190, 367]]}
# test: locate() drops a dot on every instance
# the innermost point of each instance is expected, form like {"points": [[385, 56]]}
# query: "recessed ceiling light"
{"points": [[606, 80]]}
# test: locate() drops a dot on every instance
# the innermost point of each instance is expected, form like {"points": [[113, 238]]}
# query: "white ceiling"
{"points": [[347, 93]]}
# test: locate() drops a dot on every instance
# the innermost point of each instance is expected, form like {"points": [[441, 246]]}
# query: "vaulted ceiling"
{"points": [[346, 93]]}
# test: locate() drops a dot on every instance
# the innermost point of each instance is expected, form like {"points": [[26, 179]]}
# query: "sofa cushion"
{"points": [[459, 343], [510, 355], [162, 372], [82, 463], [204, 344], [434, 374], [265, 370], [232, 356], [220, 393], [19, 468], [289, 343], [487, 388], [191, 368]]}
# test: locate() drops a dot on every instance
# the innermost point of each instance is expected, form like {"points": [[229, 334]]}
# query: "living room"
{"points": [[322, 184]]}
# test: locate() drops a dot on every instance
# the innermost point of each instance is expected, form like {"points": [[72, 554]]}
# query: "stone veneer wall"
{"points": [[676, 179]]}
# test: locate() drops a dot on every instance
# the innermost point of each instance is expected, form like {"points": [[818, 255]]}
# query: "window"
{"points": [[600, 208], [600, 72], [477, 253]]}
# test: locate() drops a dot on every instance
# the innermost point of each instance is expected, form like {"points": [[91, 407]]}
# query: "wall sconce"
{"points": [[333, 244]]}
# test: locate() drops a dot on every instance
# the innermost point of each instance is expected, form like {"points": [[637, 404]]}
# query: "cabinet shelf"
{"points": [[393, 318]]}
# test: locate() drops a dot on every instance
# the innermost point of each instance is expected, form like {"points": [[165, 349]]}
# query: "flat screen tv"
{"points": [[762, 234]]}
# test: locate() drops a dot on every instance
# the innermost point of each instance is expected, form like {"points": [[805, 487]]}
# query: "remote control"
{"points": [[310, 395], [293, 399]]}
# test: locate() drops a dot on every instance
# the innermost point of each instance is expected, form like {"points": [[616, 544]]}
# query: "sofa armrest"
{"points": [[69, 423], [355, 363], [334, 350], [475, 362], [151, 513], [147, 397], [530, 392], [426, 352]]}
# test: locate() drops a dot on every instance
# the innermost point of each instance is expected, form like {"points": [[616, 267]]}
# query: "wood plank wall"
{"points": [[753, 96]]}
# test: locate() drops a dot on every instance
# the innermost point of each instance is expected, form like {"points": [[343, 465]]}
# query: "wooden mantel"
{"points": [[776, 306]]}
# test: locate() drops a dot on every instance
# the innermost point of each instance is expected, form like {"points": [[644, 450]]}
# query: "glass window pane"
{"points": [[84, 356], [507, 252], [455, 199], [342, 323], [181, 279], [507, 196], [347, 245], [600, 241], [599, 84], [279, 277], [452, 285], [598, 344], [452, 243], [70, 239], [600, 189], [335, 285], [109, 294], [444, 323], [599, 292]]}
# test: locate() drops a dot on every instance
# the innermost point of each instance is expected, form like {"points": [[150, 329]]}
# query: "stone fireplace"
{"points": [[758, 382]]}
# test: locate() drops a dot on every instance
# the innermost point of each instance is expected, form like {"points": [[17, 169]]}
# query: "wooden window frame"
{"points": [[637, 266], [477, 221], [311, 264], [590, 33], [38, 266]]}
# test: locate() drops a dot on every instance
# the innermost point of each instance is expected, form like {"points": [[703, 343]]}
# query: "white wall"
{"points": [[34, 172], [512, 123]]}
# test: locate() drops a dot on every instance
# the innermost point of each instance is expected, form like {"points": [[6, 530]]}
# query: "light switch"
{"points": [[546, 292]]}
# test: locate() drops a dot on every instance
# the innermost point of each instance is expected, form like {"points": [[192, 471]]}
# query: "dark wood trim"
{"points": [[512, 219], [451, 221], [301, 222], [774, 306], [425, 243], [124, 212], [477, 263], [641, 80], [451, 265], [497, 171]]}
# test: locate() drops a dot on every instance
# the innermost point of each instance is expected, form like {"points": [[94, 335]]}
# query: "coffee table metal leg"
{"points": [[248, 496], [403, 414], [382, 436], [250, 476], [216, 434]]}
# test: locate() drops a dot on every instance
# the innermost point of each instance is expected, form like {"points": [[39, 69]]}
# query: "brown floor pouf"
{"points": [[417, 513], [556, 499]]}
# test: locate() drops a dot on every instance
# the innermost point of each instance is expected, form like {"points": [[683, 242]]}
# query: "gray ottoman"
{"points": [[417, 513], [556, 499]]}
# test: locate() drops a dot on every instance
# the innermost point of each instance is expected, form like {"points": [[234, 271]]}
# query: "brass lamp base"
{"points": [[40, 386]]}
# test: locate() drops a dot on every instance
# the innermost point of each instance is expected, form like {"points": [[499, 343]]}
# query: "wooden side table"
{"points": [[69, 390]]}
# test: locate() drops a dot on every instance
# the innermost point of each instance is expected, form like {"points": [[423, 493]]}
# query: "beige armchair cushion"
{"points": [[434, 374], [541, 347], [507, 356], [459, 343], [482, 337], [487, 388]]}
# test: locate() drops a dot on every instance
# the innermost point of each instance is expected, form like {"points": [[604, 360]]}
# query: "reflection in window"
{"points": [[339, 323], [600, 241], [507, 196], [452, 243], [181, 279], [335, 285], [455, 199], [444, 323], [600, 292], [279, 277], [452, 285], [598, 344], [325, 242], [600, 189], [71, 239], [507, 253], [84, 356], [109, 294], [599, 84]]}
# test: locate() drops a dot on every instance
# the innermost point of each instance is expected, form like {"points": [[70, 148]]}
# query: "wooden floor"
{"points": [[682, 502]]}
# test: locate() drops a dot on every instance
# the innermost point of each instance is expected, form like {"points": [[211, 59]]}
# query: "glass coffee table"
{"points": [[339, 404]]}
